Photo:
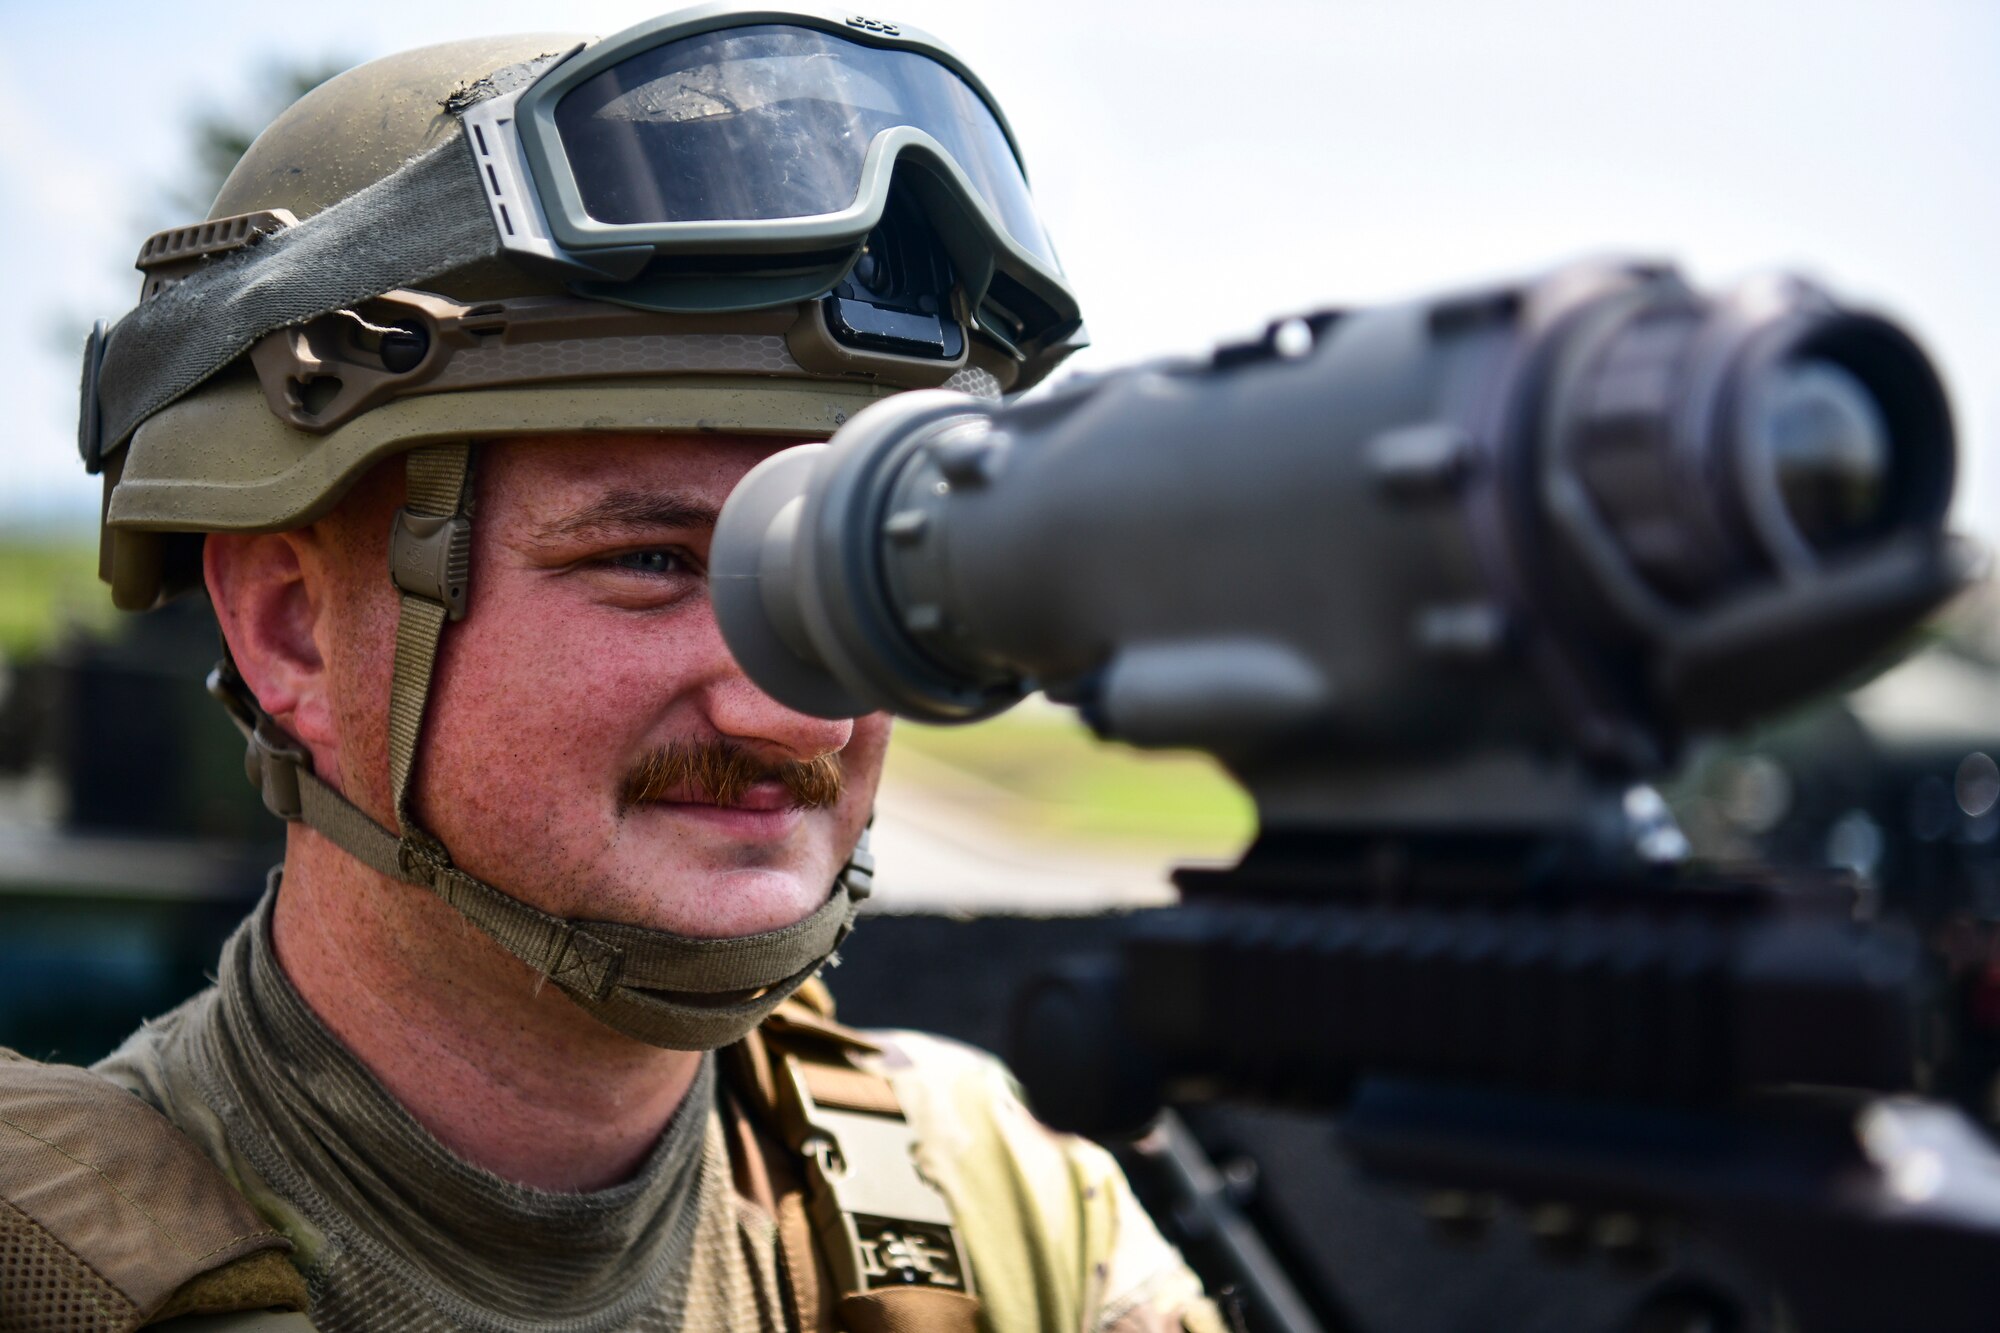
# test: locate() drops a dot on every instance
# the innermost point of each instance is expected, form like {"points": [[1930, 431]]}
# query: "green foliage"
{"points": [[46, 587]]}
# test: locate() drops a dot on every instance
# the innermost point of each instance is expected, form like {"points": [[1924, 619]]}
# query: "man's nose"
{"points": [[736, 708]]}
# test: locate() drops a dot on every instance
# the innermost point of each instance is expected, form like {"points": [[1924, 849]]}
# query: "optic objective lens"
{"points": [[1829, 445]]}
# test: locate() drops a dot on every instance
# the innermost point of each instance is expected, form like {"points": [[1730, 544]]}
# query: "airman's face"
{"points": [[590, 744]]}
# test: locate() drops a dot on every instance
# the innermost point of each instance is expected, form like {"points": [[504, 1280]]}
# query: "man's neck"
{"points": [[506, 1072]]}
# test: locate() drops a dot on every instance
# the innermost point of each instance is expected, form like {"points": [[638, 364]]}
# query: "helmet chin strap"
{"points": [[652, 985]]}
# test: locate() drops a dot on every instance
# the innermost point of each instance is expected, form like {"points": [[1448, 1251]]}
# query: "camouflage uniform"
{"points": [[1055, 1238]]}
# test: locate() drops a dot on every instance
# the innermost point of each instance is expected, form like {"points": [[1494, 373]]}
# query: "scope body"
{"points": [[1474, 561], [1437, 582]]}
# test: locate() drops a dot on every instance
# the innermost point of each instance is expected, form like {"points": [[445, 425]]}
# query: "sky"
{"points": [[1201, 167]]}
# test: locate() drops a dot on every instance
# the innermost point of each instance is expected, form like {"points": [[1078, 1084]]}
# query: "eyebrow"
{"points": [[627, 512]]}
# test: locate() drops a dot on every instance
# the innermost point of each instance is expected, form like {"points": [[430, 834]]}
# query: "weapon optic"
{"points": [[1440, 584]]}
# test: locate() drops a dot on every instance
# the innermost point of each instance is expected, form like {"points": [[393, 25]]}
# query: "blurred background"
{"points": [[1202, 168]]}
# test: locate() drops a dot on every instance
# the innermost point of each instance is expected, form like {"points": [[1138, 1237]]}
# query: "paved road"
{"points": [[947, 841]]}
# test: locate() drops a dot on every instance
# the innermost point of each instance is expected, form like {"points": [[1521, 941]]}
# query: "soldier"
{"points": [[440, 403]]}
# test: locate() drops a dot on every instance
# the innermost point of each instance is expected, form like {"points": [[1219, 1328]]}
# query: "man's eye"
{"points": [[652, 562]]}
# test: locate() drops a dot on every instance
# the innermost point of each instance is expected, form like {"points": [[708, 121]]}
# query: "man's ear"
{"points": [[269, 607]]}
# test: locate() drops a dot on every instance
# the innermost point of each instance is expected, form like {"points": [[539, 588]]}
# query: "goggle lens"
{"points": [[771, 122]]}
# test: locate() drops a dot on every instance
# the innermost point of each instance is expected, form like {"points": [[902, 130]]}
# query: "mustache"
{"points": [[720, 772]]}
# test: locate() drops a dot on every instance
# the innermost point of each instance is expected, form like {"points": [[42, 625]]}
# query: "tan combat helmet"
{"points": [[525, 235]]}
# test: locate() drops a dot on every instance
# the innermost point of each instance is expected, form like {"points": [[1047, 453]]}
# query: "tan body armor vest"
{"points": [[112, 1220]]}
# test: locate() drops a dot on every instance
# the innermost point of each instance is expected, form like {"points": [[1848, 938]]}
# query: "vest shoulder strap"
{"points": [[885, 1252], [108, 1210]]}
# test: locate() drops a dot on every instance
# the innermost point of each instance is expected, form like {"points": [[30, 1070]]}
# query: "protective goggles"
{"points": [[777, 142], [718, 159]]}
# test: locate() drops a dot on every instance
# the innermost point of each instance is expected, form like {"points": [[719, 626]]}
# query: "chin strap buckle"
{"points": [[859, 872], [271, 759], [273, 762], [430, 556]]}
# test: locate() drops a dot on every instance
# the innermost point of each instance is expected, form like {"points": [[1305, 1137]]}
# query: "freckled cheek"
{"points": [[581, 691]]}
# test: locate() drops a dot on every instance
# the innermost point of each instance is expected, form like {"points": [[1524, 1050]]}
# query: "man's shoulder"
{"points": [[1055, 1234], [139, 1065], [106, 1206]]}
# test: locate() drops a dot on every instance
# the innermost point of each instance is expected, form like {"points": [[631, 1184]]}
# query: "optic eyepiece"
{"points": [[804, 570]]}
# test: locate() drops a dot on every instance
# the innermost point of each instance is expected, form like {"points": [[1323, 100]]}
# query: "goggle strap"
{"points": [[426, 218], [507, 79]]}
